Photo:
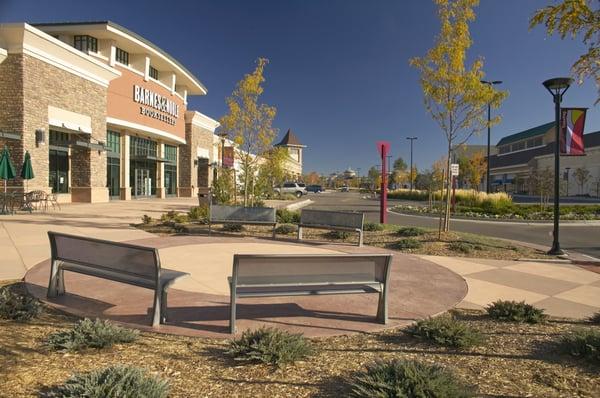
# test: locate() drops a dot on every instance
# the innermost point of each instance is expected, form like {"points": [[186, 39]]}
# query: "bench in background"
{"points": [[332, 220], [120, 262], [309, 274], [221, 214]]}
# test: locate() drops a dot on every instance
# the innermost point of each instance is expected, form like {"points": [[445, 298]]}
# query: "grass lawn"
{"points": [[515, 361]]}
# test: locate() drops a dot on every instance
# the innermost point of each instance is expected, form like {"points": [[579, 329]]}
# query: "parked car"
{"points": [[294, 188], [345, 188], [314, 188]]}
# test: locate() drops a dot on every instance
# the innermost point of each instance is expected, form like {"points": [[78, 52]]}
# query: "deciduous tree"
{"points": [[453, 93], [582, 176], [249, 122]]}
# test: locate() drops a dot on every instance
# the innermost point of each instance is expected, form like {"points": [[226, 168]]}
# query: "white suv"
{"points": [[294, 188]]}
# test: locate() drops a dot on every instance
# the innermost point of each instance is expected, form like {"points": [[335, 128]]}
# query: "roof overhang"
{"points": [[201, 120], [135, 44], [23, 38]]}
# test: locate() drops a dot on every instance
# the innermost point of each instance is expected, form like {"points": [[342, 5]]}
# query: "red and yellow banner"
{"points": [[571, 131]]}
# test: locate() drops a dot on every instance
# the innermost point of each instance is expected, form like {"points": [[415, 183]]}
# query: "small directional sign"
{"points": [[454, 169]]}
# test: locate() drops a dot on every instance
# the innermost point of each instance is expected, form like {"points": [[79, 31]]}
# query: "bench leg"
{"points": [[299, 233], [232, 312], [382, 310], [156, 308], [56, 284], [360, 238], [163, 307]]}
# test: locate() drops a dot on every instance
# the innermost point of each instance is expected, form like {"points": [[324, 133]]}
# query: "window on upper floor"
{"points": [[504, 149], [518, 146], [153, 72], [122, 56], [85, 43]]}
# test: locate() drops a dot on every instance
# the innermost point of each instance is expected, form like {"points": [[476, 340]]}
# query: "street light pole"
{"points": [[557, 87], [487, 174], [411, 161]]}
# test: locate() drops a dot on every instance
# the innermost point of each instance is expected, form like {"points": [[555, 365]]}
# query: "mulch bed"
{"points": [[516, 361]]}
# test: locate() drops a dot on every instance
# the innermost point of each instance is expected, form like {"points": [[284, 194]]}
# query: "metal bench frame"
{"points": [[271, 221], [159, 282], [357, 228], [267, 288]]}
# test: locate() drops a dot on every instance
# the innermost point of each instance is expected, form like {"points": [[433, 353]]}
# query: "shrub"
{"points": [[373, 226], [595, 318], [463, 247], [90, 334], [285, 216], [407, 378], [270, 346], [582, 343], [18, 307], [112, 382], [173, 217], [446, 331], [287, 196], [407, 243], [286, 229], [233, 227], [199, 213], [513, 311], [338, 234], [146, 219], [411, 231]]}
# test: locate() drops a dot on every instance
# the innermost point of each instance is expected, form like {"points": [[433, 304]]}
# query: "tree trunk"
{"points": [[448, 187]]}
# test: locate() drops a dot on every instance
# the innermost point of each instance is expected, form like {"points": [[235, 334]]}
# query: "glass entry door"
{"points": [[143, 183]]}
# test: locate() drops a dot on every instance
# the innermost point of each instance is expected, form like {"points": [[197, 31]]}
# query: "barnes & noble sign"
{"points": [[155, 105]]}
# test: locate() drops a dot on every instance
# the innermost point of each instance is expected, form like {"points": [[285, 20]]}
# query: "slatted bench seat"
{"points": [[258, 275], [333, 221], [221, 214], [121, 262]]}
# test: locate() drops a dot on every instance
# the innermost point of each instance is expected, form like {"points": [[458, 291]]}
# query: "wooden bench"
{"points": [[332, 220], [121, 262], [221, 214], [309, 274]]}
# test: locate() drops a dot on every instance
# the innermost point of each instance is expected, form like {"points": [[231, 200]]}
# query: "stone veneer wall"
{"points": [[195, 136], [44, 85], [11, 111]]}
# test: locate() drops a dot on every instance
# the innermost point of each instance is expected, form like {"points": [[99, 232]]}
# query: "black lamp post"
{"points": [[411, 162], [487, 175], [557, 87], [223, 136]]}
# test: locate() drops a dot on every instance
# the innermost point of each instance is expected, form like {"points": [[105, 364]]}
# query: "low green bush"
{"points": [[271, 346], [233, 227], [199, 214], [111, 382], [146, 219], [582, 343], [464, 247], [173, 217], [18, 307], [514, 311], [407, 378], [286, 229], [446, 331], [337, 234], [407, 243], [285, 216], [373, 226], [410, 231], [90, 334], [595, 318], [287, 196]]}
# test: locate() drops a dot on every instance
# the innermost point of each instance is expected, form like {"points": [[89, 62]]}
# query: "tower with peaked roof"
{"points": [[294, 148]]}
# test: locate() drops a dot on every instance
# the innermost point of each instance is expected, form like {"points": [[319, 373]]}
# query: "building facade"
{"points": [[103, 113], [524, 154]]}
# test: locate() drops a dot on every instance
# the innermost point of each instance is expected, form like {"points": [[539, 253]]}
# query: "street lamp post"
{"points": [[223, 136], [411, 161], [557, 87], [487, 175]]}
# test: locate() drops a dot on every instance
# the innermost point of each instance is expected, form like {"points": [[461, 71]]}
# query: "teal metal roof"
{"points": [[532, 132]]}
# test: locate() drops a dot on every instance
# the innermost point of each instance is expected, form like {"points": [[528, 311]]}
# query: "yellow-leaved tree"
{"points": [[249, 123], [453, 93]]}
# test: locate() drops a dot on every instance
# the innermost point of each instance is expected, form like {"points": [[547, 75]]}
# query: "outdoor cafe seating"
{"points": [[11, 202]]}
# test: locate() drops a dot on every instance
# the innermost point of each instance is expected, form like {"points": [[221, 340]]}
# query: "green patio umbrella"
{"points": [[7, 170], [27, 169]]}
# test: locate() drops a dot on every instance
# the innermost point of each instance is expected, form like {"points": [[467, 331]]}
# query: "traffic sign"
{"points": [[454, 169]]}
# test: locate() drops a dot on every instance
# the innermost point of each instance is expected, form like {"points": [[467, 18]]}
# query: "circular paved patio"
{"points": [[199, 304]]}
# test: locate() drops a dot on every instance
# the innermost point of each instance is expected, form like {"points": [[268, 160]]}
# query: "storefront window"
{"points": [[171, 170], [142, 147], [58, 177], [113, 163]]}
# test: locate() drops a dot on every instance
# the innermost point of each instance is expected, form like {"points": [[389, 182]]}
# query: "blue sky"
{"points": [[338, 72]]}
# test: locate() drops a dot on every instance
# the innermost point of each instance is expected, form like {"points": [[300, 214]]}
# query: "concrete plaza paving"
{"points": [[562, 289]]}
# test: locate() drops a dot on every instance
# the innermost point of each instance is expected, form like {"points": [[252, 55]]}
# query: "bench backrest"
{"points": [[309, 269], [139, 261], [240, 213], [342, 219]]}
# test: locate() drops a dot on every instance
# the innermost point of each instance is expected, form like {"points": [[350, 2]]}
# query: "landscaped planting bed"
{"points": [[515, 359]]}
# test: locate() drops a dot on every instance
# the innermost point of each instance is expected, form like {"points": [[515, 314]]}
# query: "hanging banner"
{"points": [[571, 131], [228, 156]]}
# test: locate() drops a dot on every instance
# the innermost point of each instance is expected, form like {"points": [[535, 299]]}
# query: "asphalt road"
{"points": [[584, 239]]}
